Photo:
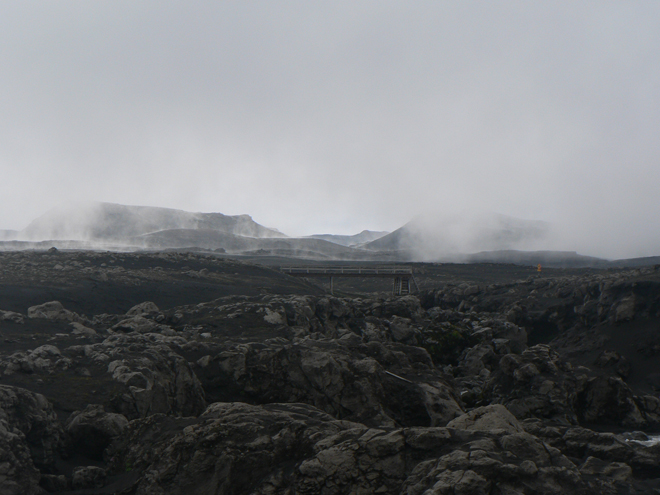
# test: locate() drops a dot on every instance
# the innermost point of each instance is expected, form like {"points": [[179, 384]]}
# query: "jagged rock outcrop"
{"points": [[18, 476], [30, 437], [460, 389], [344, 377], [155, 379], [559, 303], [141, 373], [236, 448], [538, 383], [33, 416]]}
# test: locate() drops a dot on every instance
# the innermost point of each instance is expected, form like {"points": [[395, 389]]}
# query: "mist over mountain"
{"points": [[8, 235], [433, 236], [105, 222], [351, 240], [442, 236]]}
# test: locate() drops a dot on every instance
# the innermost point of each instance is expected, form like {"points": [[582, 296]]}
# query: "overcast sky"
{"points": [[334, 117]]}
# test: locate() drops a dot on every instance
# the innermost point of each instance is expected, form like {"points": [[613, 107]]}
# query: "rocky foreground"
{"points": [[529, 386]]}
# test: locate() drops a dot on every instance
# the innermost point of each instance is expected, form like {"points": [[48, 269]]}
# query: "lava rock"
{"points": [[93, 429]]}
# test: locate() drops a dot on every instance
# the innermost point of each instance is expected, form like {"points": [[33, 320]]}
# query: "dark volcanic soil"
{"points": [[104, 282]]}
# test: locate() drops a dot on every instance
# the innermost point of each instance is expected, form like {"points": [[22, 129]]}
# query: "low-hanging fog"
{"points": [[341, 116]]}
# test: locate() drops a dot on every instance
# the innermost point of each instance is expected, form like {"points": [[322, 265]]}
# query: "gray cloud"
{"points": [[340, 116]]}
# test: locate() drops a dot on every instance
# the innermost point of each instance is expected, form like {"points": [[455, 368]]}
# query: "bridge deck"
{"points": [[346, 271]]}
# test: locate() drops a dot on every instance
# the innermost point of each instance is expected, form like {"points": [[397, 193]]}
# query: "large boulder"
{"points": [[144, 308], [44, 359], [608, 400], [493, 417], [138, 324], [54, 310], [12, 316], [88, 477], [93, 429]]}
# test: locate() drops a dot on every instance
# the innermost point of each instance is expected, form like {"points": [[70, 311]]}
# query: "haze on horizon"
{"points": [[341, 116]]}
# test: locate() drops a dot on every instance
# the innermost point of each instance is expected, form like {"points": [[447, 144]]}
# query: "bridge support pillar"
{"points": [[401, 286]]}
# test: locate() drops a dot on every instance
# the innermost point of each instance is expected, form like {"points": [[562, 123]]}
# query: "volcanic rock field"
{"points": [[184, 372]]}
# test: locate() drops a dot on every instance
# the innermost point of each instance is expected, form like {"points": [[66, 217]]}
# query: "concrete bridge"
{"points": [[401, 276]]}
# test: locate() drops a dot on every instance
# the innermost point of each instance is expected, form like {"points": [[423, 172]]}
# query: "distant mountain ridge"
{"points": [[237, 244], [554, 259], [114, 222]]}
